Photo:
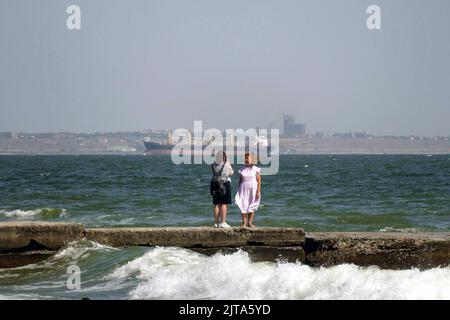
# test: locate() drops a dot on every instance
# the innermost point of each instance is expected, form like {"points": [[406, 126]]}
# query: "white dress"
{"points": [[246, 196]]}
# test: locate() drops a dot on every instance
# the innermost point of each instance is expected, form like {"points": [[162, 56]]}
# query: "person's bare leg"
{"points": [[216, 214], [250, 219], [244, 220], [223, 213]]}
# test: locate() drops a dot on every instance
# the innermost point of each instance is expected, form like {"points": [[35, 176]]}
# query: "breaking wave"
{"points": [[79, 249], [173, 273], [42, 213]]}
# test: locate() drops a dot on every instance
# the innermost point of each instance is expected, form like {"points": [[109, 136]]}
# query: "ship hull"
{"points": [[167, 150]]}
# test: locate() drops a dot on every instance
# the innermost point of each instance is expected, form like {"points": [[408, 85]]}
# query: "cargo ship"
{"points": [[152, 147], [159, 148]]}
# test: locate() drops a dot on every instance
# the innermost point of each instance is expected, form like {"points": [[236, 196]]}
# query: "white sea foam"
{"points": [[127, 221], [44, 174], [19, 213], [157, 259], [171, 273], [391, 229], [80, 249], [41, 212]]}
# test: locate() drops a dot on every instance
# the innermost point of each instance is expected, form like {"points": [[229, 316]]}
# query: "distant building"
{"points": [[292, 129], [361, 135], [319, 134]]}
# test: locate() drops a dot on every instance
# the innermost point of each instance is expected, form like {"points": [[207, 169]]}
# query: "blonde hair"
{"points": [[252, 159]]}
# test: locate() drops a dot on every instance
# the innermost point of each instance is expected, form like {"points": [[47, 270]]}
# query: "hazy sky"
{"points": [[138, 65]]}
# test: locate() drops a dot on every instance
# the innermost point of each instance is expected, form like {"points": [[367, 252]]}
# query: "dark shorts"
{"points": [[225, 199]]}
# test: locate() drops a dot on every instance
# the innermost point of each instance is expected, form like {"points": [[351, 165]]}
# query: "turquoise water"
{"points": [[316, 192], [327, 193]]}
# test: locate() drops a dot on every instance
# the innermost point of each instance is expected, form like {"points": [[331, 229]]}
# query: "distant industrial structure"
{"points": [[292, 129], [295, 141]]}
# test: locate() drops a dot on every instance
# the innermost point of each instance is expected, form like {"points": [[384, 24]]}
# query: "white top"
{"points": [[227, 170], [248, 174]]}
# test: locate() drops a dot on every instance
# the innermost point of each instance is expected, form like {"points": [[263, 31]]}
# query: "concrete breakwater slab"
{"points": [[386, 250], [197, 237], [27, 242], [22, 243], [37, 235], [262, 244]]}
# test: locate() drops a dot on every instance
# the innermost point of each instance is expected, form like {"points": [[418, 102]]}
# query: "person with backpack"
{"points": [[220, 189]]}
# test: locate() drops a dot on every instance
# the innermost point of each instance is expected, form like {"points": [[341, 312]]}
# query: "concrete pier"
{"points": [[386, 250], [22, 243], [262, 244], [29, 242], [19, 236], [197, 237]]}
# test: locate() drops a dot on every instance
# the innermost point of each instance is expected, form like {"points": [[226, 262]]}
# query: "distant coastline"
{"points": [[133, 143]]}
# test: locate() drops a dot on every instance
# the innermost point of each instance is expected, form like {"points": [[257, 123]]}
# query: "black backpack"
{"points": [[217, 186]]}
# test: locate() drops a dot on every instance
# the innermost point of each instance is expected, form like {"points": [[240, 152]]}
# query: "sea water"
{"points": [[386, 193]]}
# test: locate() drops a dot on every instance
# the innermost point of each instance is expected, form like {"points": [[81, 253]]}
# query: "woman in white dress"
{"points": [[249, 190]]}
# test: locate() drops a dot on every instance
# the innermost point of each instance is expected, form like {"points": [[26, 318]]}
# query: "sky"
{"points": [[154, 64]]}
